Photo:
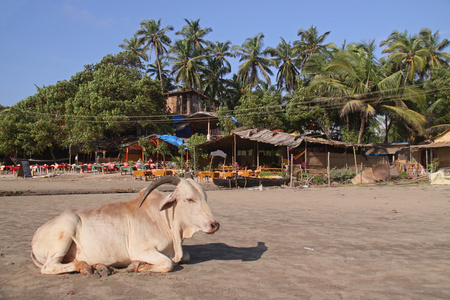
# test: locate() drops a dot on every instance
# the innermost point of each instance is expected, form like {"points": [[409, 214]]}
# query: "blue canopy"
{"points": [[171, 139]]}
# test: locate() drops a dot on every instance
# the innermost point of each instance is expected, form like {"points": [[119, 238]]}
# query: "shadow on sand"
{"points": [[221, 251]]}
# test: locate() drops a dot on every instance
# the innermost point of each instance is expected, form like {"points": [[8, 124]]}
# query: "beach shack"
{"points": [[185, 102], [435, 148], [255, 148], [134, 152]]}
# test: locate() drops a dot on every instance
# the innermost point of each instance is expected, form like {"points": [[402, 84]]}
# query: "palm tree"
{"points": [[154, 70], [311, 43], [285, 56], [213, 81], [253, 56], [352, 76], [406, 53], [155, 39], [134, 45], [220, 51], [195, 34], [186, 66], [436, 56]]}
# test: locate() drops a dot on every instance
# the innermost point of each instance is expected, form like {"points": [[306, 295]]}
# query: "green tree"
{"points": [[195, 153], [155, 39], [213, 81], [220, 51], [36, 124], [253, 57], [186, 66], [436, 55], [226, 120], [158, 70], [311, 43], [194, 34], [438, 100], [264, 111], [406, 52], [115, 103], [285, 56], [149, 148], [135, 45], [303, 113], [353, 81], [163, 149]]}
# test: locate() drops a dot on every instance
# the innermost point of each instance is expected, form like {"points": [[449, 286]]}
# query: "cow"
{"points": [[142, 235]]}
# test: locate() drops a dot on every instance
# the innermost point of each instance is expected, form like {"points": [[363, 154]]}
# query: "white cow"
{"points": [[144, 234]]}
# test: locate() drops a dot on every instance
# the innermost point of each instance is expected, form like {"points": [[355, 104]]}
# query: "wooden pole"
{"points": [[257, 154], [328, 170], [234, 153], [292, 170], [356, 164], [306, 156]]}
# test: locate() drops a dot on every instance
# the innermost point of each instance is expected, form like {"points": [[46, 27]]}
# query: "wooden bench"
{"points": [[146, 174], [207, 174]]}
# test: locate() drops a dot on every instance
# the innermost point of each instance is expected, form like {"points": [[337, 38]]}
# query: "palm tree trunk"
{"points": [[159, 70], [386, 128], [362, 128]]}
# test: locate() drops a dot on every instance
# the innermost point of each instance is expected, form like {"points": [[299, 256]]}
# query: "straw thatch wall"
{"points": [[317, 162]]}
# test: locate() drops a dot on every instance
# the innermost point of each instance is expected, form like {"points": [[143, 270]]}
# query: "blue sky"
{"points": [[46, 41]]}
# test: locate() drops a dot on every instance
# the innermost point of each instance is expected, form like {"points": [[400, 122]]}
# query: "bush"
{"points": [[272, 174], [342, 175]]}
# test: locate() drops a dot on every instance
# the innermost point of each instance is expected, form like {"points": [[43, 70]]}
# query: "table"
{"points": [[82, 168], [227, 174], [246, 173], [162, 172], [146, 174], [208, 174], [130, 169]]}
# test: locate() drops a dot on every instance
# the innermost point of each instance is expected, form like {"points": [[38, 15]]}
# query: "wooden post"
{"points": [[306, 156], [257, 154], [356, 164], [328, 170], [426, 162], [194, 167], [292, 170], [234, 153]]}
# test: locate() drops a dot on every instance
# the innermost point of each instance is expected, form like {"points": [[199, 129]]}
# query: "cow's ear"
{"points": [[168, 202]]}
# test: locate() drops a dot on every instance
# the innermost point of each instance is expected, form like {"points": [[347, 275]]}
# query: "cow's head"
{"points": [[189, 202]]}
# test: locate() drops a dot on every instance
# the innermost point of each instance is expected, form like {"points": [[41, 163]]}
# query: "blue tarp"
{"points": [[171, 139]]}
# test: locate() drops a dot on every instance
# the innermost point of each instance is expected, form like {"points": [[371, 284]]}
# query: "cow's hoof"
{"points": [[84, 268], [103, 270], [133, 267]]}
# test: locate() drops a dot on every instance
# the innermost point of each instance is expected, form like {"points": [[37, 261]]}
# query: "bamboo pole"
{"points": [[292, 170], [356, 164], [234, 153], [257, 154], [328, 170]]}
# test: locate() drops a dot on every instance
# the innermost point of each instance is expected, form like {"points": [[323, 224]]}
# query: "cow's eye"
{"points": [[190, 200]]}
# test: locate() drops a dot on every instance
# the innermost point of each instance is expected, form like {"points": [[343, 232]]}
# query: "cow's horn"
{"points": [[163, 180]]}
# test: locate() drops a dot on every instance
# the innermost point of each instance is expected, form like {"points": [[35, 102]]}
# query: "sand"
{"points": [[372, 242]]}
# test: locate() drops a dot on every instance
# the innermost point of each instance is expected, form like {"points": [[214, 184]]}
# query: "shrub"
{"points": [[342, 175]]}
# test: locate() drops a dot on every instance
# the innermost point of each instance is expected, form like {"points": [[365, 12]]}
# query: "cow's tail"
{"points": [[34, 259]]}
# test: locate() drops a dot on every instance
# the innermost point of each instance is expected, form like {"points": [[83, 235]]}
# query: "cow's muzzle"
{"points": [[214, 227]]}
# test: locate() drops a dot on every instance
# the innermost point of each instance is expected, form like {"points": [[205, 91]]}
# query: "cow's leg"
{"points": [[59, 255], [153, 261], [54, 243], [186, 257]]}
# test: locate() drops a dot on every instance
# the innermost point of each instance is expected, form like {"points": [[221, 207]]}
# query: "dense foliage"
{"points": [[345, 92], [104, 103]]}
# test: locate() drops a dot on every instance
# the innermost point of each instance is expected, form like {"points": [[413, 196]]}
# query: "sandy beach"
{"points": [[371, 242]]}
